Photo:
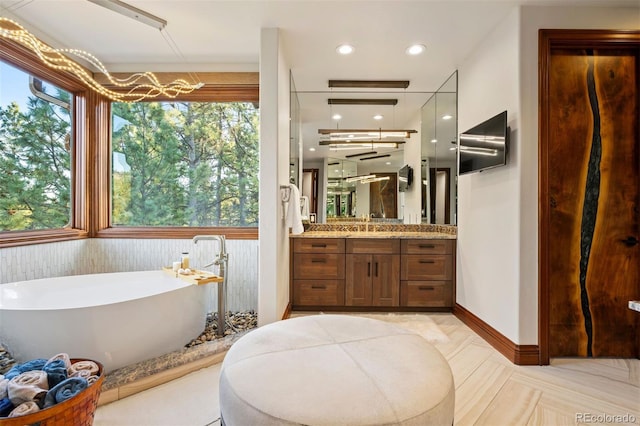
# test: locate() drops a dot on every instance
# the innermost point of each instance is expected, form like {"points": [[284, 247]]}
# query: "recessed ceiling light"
{"points": [[453, 148], [312, 149], [378, 117], [415, 49], [336, 116], [447, 117], [345, 49], [434, 140], [388, 163]]}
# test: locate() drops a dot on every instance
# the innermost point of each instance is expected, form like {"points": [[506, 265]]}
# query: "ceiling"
{"points": [[204, 35]]}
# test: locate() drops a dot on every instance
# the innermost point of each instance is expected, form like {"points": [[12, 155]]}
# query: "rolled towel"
{"points": [[63, 356], [25, 408], [92, 379], [65, 390], [16, 370], [3, 386], [56, 371], [83, 365], [6, 407], [81, 373], [28, 386]]}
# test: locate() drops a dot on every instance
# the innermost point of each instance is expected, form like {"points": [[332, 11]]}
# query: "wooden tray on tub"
{"points": [[195, 277]]}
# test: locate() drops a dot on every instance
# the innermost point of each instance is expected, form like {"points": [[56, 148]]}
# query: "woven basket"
{"points": [[76, 411]]}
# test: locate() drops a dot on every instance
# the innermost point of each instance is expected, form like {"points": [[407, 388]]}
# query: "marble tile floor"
{"points": [[489, 390]]}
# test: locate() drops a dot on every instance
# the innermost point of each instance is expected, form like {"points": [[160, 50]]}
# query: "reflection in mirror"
{"points": [[295, 146], [439, 155], [341, 189]]}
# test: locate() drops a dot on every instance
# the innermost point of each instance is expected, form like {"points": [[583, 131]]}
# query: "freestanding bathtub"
{"points": [[115, 318]]}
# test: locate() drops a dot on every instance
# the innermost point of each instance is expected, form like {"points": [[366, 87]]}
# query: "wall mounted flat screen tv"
{"points": [[405, 177], [484, 146]]}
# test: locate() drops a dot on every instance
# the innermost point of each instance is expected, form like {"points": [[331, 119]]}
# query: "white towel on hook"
{"points": [[294, 219]]}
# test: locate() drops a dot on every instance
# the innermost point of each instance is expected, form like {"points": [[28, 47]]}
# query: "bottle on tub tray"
{"points": [[184, 259]]}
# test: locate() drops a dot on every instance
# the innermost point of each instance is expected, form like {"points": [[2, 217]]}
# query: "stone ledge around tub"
{"points": [[378, 230]]}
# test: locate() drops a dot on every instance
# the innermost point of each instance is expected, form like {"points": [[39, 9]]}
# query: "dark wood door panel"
{"points": [[594, 188]]}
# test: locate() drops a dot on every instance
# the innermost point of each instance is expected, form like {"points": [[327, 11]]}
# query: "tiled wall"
{"points": [[121, 255]]}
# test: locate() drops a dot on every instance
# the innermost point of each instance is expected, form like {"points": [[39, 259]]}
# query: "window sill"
{"points": [[24, 238], [231, 233]]}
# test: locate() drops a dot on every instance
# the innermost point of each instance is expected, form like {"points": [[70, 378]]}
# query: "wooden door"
{"points": [[358, 280], [590, 193], [385, 280]]}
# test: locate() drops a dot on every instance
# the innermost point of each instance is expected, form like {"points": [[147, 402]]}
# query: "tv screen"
{"points": [[485, 145], [405, 177]]}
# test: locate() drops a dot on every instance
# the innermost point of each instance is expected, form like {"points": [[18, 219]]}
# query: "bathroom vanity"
{"points": [[389, 271]]}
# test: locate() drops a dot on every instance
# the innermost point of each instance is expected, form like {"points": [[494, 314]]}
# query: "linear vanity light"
{"points": [[350, 101], [376, 179], [375, 156], [357, 178], [361, 154], [370, 84], [370, 133]]}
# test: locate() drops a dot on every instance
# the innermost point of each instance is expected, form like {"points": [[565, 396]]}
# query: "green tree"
{"points": [[35, 165]]}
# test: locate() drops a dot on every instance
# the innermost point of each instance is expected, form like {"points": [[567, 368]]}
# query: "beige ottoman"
{"points": [[335, 370]]}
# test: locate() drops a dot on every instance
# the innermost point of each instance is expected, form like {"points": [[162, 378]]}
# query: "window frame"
{"points": [[91, 161], [26, 61], [103, 226]]}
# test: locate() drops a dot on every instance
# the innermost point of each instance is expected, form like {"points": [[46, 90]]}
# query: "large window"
{"points": [[35, 153], [184, 164]]}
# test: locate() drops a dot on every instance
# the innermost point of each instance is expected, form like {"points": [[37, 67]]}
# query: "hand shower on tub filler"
{"points": [[221, 260]]}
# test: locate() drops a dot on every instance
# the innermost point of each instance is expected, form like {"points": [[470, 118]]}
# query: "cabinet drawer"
{"points": [[373, 246], [427, 246], [430, 294], [318, 245], [318, 292], [426, 267], [318, 266]]}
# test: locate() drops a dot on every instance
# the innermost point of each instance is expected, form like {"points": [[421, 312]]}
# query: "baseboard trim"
{"points": [[287, 311], [517, 354]]}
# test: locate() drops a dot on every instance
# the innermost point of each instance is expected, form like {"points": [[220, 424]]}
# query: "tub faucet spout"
{"points": [[221, 260]]}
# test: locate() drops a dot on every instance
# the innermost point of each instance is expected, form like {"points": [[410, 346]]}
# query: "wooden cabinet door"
{"points": [[385, 280], [358, 280]]}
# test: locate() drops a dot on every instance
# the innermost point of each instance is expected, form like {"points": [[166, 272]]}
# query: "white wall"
{"points": [[273, 288], [498, 219], [412, 199], [488, 209]]}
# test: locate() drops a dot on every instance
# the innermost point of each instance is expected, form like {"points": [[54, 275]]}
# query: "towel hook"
{"points": [[285, 193]]}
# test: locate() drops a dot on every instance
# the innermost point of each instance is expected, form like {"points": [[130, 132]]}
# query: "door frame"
{"points": [[548, 40]]}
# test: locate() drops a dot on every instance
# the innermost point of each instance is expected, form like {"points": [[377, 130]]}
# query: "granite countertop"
{"points": [[376, 234]]}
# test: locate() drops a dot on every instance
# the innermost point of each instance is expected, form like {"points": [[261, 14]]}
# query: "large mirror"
{"points": [[295, 145], [339, 197], [439, 130]]}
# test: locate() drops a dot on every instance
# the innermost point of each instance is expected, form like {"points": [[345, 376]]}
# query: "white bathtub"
{"points": [[115, 318]]}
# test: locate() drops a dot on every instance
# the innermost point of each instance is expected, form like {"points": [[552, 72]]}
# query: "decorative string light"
{"points": [[142, 85]]}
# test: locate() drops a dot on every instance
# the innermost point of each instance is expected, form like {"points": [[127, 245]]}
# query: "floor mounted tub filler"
{"points": [[116, 318]]}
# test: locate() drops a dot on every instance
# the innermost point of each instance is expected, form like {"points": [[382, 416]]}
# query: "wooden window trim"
{"points": [[25, 60], [91, 168], [101, 204]]}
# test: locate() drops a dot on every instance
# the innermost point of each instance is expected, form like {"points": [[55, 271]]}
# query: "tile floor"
{"points": [[489, 390]]}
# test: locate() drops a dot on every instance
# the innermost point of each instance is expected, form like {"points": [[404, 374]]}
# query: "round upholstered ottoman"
{"points": [[335, 370]]}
